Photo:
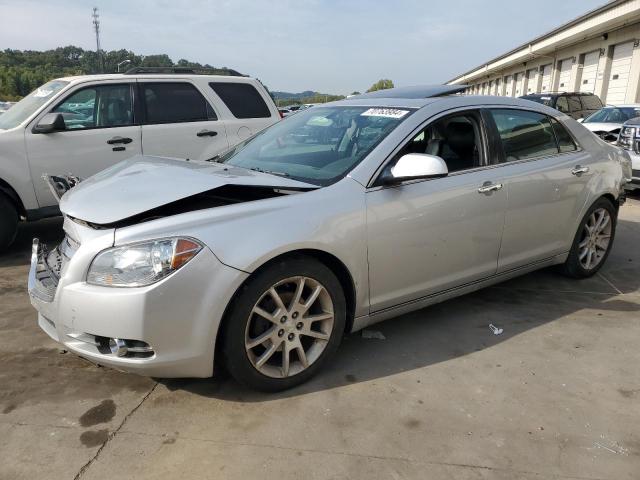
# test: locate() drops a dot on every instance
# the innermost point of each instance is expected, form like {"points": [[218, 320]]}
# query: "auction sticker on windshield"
{"points": [[385, 112]]}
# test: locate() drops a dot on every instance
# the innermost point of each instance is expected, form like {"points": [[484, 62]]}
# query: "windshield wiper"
{"points": [[279, 174]]}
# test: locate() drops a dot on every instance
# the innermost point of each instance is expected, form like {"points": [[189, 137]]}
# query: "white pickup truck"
{"points": [[84, 124]]}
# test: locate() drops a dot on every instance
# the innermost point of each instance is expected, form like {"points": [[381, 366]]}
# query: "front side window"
{"points": [[97, 107], [242, 99], [30, 104], [456, 139], [524, 134], [319, 145], [175, 102]]}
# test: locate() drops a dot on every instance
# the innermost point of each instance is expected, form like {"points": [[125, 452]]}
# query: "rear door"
{"points": [[101, 130], [545, 176], [178, 121]]}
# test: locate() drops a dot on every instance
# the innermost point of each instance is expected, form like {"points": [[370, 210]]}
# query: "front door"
{"points": [[100, 131], [428, 236]]}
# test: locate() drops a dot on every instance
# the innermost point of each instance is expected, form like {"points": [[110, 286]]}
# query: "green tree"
{"points": [[382, 84]]}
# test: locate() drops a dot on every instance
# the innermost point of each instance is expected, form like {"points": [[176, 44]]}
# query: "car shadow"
{"points": [[435, 334], [460, 327]]}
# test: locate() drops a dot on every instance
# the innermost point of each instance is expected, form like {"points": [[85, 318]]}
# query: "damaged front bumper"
{"points": [[167, 329]]}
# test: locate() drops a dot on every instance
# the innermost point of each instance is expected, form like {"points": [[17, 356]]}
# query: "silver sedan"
{"points": [[346, 214]]}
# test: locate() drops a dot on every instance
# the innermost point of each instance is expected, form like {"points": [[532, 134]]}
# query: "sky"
{"points": [[329, 46]]}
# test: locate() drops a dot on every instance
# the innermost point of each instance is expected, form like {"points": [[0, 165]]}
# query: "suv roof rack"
{"points": [[182, 70]]}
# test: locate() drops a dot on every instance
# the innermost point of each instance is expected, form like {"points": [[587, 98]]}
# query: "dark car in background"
{"points": [[577, 105]]}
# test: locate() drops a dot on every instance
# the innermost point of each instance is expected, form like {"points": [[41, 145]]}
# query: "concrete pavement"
{"points": [[557, 395]]}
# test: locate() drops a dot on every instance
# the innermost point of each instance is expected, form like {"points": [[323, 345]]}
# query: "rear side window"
{"points": [[177, 102], [574, 104], [565, 142], [524, 134], [242, 99], [591, 102]]}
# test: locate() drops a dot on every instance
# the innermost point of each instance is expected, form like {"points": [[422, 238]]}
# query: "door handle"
{"points": [[579, 170], [116, 140], [488, 188], [206, 133]]}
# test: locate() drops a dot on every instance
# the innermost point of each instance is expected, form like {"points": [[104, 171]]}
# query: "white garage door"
{"points": [[519, 84], [532, 81], [508, 86], [620, 69], [564, 80], [546, 79], [590, 72]]}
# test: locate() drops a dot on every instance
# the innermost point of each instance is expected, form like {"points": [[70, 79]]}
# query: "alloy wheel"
{"points": [[289, 327], [596, 237]]}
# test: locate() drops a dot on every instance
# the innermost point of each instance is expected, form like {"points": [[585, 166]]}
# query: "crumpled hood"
{"points": [[602, 127], [142, 183]]}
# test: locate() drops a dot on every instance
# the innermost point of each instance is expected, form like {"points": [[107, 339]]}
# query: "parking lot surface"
{"points": [[556, 395]]}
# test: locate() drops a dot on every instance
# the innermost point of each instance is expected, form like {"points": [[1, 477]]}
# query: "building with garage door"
{"points": [[596, 53]]}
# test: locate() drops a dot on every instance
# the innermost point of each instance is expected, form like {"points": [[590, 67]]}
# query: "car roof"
{"points": [[151, 76], [458, 100]]}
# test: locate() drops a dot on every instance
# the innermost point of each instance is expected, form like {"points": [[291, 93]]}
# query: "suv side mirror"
{"points": [[414, 166], [51, 122], [581, 119]]}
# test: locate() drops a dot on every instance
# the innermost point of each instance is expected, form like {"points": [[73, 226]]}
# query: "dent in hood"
{"points": [[136, 188]]}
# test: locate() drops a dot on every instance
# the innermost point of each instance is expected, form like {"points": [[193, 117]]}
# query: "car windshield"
{"points": [[548, 101], [613, 115], [29, 104], [317, 146]]}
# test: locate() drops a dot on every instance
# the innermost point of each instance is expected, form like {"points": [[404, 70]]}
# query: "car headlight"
{"points": [[627, 137], [141, 264]]}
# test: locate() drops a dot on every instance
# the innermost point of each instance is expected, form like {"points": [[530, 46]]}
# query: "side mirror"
{"points": [[51, 122], [580, 120], [416, 166]]}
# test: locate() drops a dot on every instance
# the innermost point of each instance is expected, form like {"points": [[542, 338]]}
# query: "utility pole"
{"points": [[96, 27]]}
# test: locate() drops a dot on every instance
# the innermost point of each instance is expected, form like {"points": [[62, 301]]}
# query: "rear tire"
{"points": [[8, 222], [593, 240], [284, 325]]}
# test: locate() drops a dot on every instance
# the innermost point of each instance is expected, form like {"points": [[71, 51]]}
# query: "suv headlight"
{"points": [[141, 264]]}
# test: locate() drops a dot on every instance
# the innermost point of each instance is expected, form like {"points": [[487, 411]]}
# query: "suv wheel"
{"points": [[284, 325], [593, 241], [8, 222]]}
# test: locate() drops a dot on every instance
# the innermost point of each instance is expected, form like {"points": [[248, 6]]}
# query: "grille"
{"points": [[50, 266]]}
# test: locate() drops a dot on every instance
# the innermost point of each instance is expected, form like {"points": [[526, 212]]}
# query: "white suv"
{"points": [[81, 125]]}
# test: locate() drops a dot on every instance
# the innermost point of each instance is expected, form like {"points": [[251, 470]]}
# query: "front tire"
{"points": [[284, 324], [8, 222], [593, 241]]}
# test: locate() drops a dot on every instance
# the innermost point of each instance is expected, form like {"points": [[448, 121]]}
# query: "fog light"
{"points": [[118, 347]]}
